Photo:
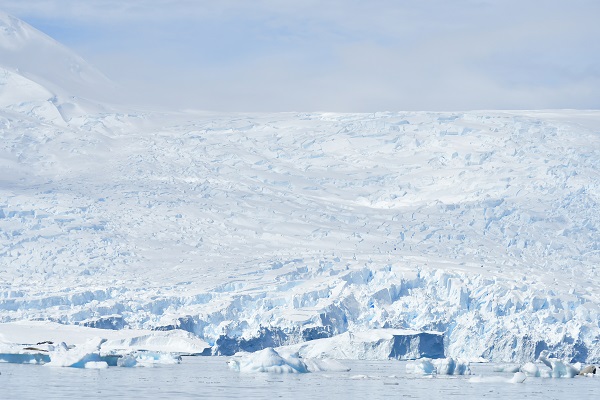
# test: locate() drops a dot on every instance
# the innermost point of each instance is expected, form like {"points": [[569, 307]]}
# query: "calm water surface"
{"points": [[210, 378]]}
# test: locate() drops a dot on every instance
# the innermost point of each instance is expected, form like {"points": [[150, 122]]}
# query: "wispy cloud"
{"points": [[342, 55]]}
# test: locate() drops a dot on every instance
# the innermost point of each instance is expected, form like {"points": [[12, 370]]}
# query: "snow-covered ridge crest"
{"points": [[36, 56], [13, 32], [43, 79]]}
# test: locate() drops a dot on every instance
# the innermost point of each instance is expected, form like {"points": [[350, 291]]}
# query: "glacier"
{"points": [[250, 231]]}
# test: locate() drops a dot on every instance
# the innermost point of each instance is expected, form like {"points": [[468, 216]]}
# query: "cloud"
{"points": [[339, 55]]}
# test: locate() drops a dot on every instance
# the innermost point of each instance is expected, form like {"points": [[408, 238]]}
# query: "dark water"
{"points": [[210, 378]]}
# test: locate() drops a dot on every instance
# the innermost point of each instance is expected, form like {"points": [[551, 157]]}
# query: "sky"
{"points": [[335, 55]]}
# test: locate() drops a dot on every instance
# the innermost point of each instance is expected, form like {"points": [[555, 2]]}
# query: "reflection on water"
{"points": [[209, 377]]}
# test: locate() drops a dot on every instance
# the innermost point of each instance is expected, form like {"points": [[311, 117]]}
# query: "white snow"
{"points": [[41, 59], [251, 231]]}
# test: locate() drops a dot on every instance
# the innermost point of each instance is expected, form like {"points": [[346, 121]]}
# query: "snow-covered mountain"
{"points": [[254, 230], [43, 78]]}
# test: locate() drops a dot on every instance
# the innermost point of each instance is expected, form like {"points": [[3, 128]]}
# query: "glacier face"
{"points": [[263, 230], [256, 231]]}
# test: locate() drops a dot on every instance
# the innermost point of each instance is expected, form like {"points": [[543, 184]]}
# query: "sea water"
{"points": [[210, 377]]}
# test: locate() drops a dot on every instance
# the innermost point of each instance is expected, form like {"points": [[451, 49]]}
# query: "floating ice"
{"points": [[147, 359], [269, 360], [560, 368], [76, 357], [96, 365], [450, 366], [421, 367], [443, 366], [530, 369], [327, 364], [518, 377]]}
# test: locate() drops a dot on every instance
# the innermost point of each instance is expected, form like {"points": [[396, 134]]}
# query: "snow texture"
{"points": [[252, 231]]}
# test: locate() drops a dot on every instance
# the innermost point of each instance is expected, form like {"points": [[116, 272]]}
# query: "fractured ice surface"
{"points": [[229, 255], [264, 230], [375, 344]]}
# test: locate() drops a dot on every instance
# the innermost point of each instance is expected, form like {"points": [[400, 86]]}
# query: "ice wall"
{"points": [[255, 231]]}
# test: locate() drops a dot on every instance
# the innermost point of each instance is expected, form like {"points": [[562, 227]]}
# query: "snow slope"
{"points": [[41, 59], [41, 78], [261, 230]]}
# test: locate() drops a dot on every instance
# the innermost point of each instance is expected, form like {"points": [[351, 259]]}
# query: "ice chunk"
{"points": [[127, 361], [518, 377], [96, 365], [24, 358], [267, 360], [444, 366], [78, 356], [560, 369], [17, 354], [530, 369], [450, 366], [421, 367], [147, 359], [316, 365]]}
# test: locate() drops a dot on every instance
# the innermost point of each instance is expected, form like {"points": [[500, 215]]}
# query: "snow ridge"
{"points": [[37, 57]]}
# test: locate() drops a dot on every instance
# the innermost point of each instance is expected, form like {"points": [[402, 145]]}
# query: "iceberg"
{"points": [[443, 366], [269, 360], [87, 349], [559, 368], [77, 356]]}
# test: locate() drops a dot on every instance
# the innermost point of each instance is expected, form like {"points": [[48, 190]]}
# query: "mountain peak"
{"points": [[37, 57]]}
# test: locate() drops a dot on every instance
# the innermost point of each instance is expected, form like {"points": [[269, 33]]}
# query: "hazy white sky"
{"points": [[335, 55]]}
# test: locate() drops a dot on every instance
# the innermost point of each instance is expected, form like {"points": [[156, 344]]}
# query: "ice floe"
{"points": [[269, 360], [86, 348], [443, 366]]}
